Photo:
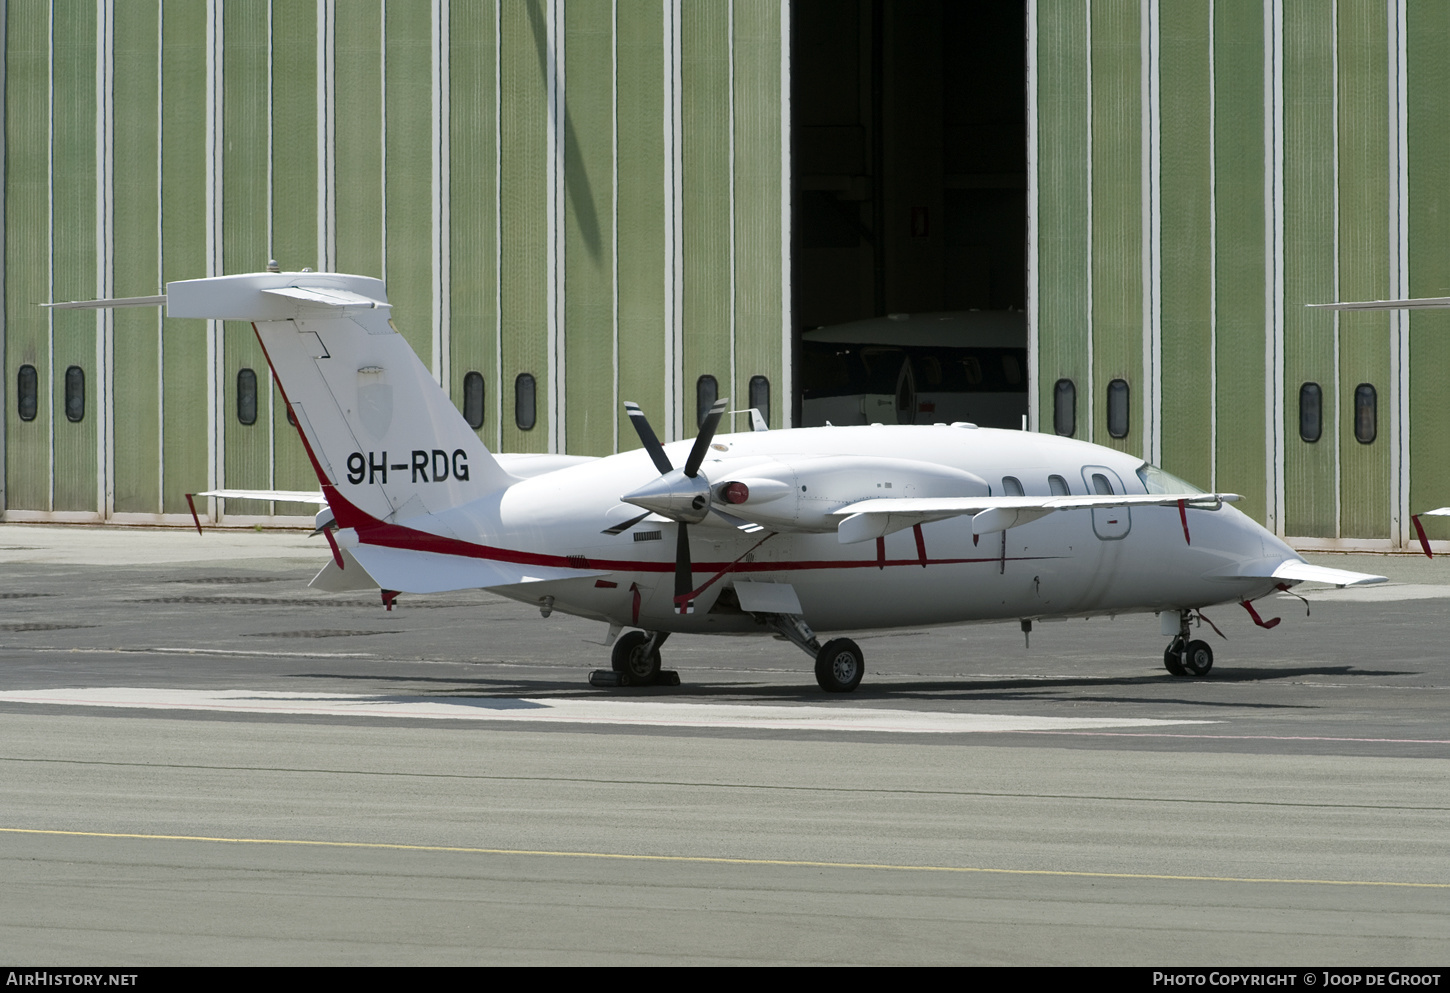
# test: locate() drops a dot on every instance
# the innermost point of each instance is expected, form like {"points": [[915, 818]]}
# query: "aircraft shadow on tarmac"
{"points": [[1050, 689]]}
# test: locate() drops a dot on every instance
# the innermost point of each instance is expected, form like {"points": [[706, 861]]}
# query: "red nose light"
{"points": [[736, 493]]}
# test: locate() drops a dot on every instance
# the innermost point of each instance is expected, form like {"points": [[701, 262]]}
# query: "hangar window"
{"points": [[291, 417], [28, 390], [1064, 408], [75, 394], [1365, 401], [707, 391], [1118, 408], [525, 408], [473, 400], [1311, 412], [247, 396], [1058, 486], [760, 396], [1012, 486]]}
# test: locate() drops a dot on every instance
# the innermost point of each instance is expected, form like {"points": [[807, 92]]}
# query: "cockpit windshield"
{"points": [[1156, 480]]}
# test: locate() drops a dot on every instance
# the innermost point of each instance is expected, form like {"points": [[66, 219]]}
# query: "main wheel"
{"points": [[631, 662], [1171, 660], [840, 666], [1199, 659]]}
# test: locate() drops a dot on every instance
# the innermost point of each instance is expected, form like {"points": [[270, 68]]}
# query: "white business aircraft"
{"points": [[766, 532], [1410, 303]]}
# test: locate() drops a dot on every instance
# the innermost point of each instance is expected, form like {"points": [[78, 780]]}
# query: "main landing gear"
{"points": [[1185, 657], [636, 662], [636, 658]]}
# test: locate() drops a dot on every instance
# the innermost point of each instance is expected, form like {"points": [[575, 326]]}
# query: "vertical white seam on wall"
{"points": [[675, 354], [105, 260], [554, 31], [1402, 320], [786, 402], [1034, 354], [1212, 255], [1088, 248], [1401, 208], [326, 136], [441, 201], [1334, 206], [1273, 259], [383, 139], [730, 235], [216, 468], [498, 225], [160, 267], [271, 248], [614, 223], [1152, 222], [50, 250], [4, 323]]}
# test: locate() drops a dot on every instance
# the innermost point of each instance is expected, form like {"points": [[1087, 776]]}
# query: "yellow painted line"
{"points": [[718, 860]]}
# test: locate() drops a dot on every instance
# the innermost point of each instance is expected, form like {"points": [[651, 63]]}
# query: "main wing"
{"points": [[875, 518]]}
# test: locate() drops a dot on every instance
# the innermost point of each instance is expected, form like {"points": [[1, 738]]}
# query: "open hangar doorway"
{"points": [[909, 199]]}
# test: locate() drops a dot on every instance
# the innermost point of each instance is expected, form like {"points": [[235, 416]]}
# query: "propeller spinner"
{"points": [[682, 495]]}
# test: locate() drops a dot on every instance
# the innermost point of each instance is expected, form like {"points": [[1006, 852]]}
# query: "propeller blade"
{"points": [[647, 435], [625, 525], [684, 574], [703, 439]]}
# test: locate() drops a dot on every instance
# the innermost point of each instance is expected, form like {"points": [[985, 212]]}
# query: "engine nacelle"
{"points": [[802, 494]]}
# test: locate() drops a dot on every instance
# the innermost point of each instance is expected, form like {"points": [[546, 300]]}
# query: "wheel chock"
{"points": [[667, 677], [606, 677]]}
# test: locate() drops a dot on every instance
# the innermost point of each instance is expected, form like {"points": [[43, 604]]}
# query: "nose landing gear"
{"points": [[1186, 657]]}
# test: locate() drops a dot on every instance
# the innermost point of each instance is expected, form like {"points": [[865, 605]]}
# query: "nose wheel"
{"points": [[1185, 656]]}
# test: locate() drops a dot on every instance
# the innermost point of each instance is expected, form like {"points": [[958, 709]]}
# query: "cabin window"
{"points": [[1011, 370], [1311, 412], [1365, 402], [1064, 408], [707, 391], [1101, 486], [247, 396], [28, 392], [473, 400], [525, 408], [1012, 486], [1118, 408], [760, 396], [1058, 486], [75, 394]]}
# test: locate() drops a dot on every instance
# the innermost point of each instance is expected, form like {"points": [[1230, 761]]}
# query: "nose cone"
{"points": [[674, 495]]}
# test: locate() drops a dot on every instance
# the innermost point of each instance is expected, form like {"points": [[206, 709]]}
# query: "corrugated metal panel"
{"points": [[474, 200], [137, 258], [408, 33], [294, 215], [246, 145], [708, 194], [1309, 264], [759, 268], [588, 227], [524, 255], [1117, 215], [1239, 252], [73, 247], [1365, 346], [1062, 257], [27, 269], [1429, 169], [641, 222], [1186, 218], [358, 105]]}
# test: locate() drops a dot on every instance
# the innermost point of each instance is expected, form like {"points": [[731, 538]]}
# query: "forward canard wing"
{"points": [[867, 519]]}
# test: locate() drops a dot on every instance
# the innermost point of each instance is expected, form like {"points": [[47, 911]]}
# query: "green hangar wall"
{"points": [[579, 203], [572, 205], [1200, 172]]}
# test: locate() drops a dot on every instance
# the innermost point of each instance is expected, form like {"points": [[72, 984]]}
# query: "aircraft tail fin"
{"points": [[380, 432]]}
